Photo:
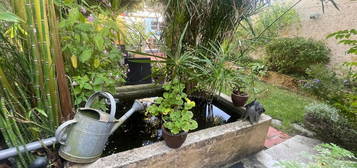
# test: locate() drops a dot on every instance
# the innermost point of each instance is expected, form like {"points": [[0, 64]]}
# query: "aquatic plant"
{"points": [[174, 108]]}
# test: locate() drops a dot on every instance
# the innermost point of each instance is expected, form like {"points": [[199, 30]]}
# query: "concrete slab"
{"points": [[297, 148], [293, 149]]}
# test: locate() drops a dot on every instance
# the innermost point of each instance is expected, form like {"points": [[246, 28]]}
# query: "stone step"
{"points": [[297, 148]]}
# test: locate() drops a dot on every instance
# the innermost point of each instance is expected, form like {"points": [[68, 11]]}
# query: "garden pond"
{"points": [[140, 130]]}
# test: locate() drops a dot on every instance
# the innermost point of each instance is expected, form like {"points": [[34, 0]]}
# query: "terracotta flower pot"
{"points": [[173, 140], [239, 99]]}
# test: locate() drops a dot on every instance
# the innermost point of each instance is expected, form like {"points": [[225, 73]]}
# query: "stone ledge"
{"points": [[210, 147]]}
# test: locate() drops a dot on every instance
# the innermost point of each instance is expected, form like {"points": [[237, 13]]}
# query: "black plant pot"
{"points": [[239, 99], [173, 140]]}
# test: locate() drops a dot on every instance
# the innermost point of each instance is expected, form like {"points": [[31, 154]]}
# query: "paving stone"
{"points": [[276, 123], [296, 148], [303, 130], [275, 137]]}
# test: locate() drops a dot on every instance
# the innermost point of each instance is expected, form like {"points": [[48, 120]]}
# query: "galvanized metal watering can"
{"points": [[83, 139]]}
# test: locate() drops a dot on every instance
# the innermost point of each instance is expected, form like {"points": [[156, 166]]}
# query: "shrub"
{"points": [[295, 55], [324, 83], [330, 125], [336, 90]]}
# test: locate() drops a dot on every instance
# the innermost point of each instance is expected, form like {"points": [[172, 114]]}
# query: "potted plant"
{"points": [[239, 97], [174, 109]]}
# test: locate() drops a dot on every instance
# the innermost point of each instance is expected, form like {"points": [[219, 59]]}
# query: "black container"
{"points": [[139, 73]]}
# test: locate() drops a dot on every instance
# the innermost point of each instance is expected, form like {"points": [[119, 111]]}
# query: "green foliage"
{"points": [[295, 55], [268, 16], [324, 83], [280, 103], [262, 23], [336, 90], [345, 38], [93, 82], [256, 31], [329, 125], [93, 59], [8, 16], [29, 103], [329, 156], [215, 73], [207, 20], [136, 36], [258, 68], [323, 111], [174, 108]]}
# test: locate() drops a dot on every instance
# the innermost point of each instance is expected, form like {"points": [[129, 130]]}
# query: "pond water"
{"points": [[140, 130]]}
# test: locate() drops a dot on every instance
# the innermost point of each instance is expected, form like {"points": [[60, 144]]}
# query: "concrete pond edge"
{"points": [[212, 147]]}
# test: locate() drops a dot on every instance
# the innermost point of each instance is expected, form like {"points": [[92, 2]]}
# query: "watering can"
{"points": [[83, 139]]}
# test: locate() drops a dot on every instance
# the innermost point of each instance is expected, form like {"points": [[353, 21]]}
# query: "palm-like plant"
{"points": [[207, 20]]}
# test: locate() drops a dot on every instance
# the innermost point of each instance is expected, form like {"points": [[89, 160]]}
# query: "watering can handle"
{"points": [[109, 97], [60, 130]]}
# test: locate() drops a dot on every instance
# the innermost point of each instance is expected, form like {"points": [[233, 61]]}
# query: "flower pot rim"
{"points": [[171, 134], [244, 94]]}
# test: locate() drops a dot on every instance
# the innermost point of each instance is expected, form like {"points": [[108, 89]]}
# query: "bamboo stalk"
{"points": [[64, 94], [38, 84], [53, 92], [45, 57]]}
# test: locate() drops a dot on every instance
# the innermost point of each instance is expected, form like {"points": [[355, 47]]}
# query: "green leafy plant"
{"points": [[258, 69], [136, 36], [332, 88], [86, 85], [207, 20], [92, 56], [329, 156], [324, 83], [174, 108], [216, 72], [329, 125], [295, 55], [347, 37]]}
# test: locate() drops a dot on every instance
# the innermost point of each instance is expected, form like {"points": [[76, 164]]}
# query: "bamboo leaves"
{"points": [[8, 16], [29, 95]]}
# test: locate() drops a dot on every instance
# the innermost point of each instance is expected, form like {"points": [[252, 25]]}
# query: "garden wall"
{"points": [[325, 23]]}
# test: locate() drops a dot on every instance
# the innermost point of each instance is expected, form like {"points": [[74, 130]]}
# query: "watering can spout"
{"points": [[137, 106]]}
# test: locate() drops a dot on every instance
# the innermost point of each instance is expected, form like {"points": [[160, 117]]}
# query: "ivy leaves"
{"points": [[175, 108]]}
